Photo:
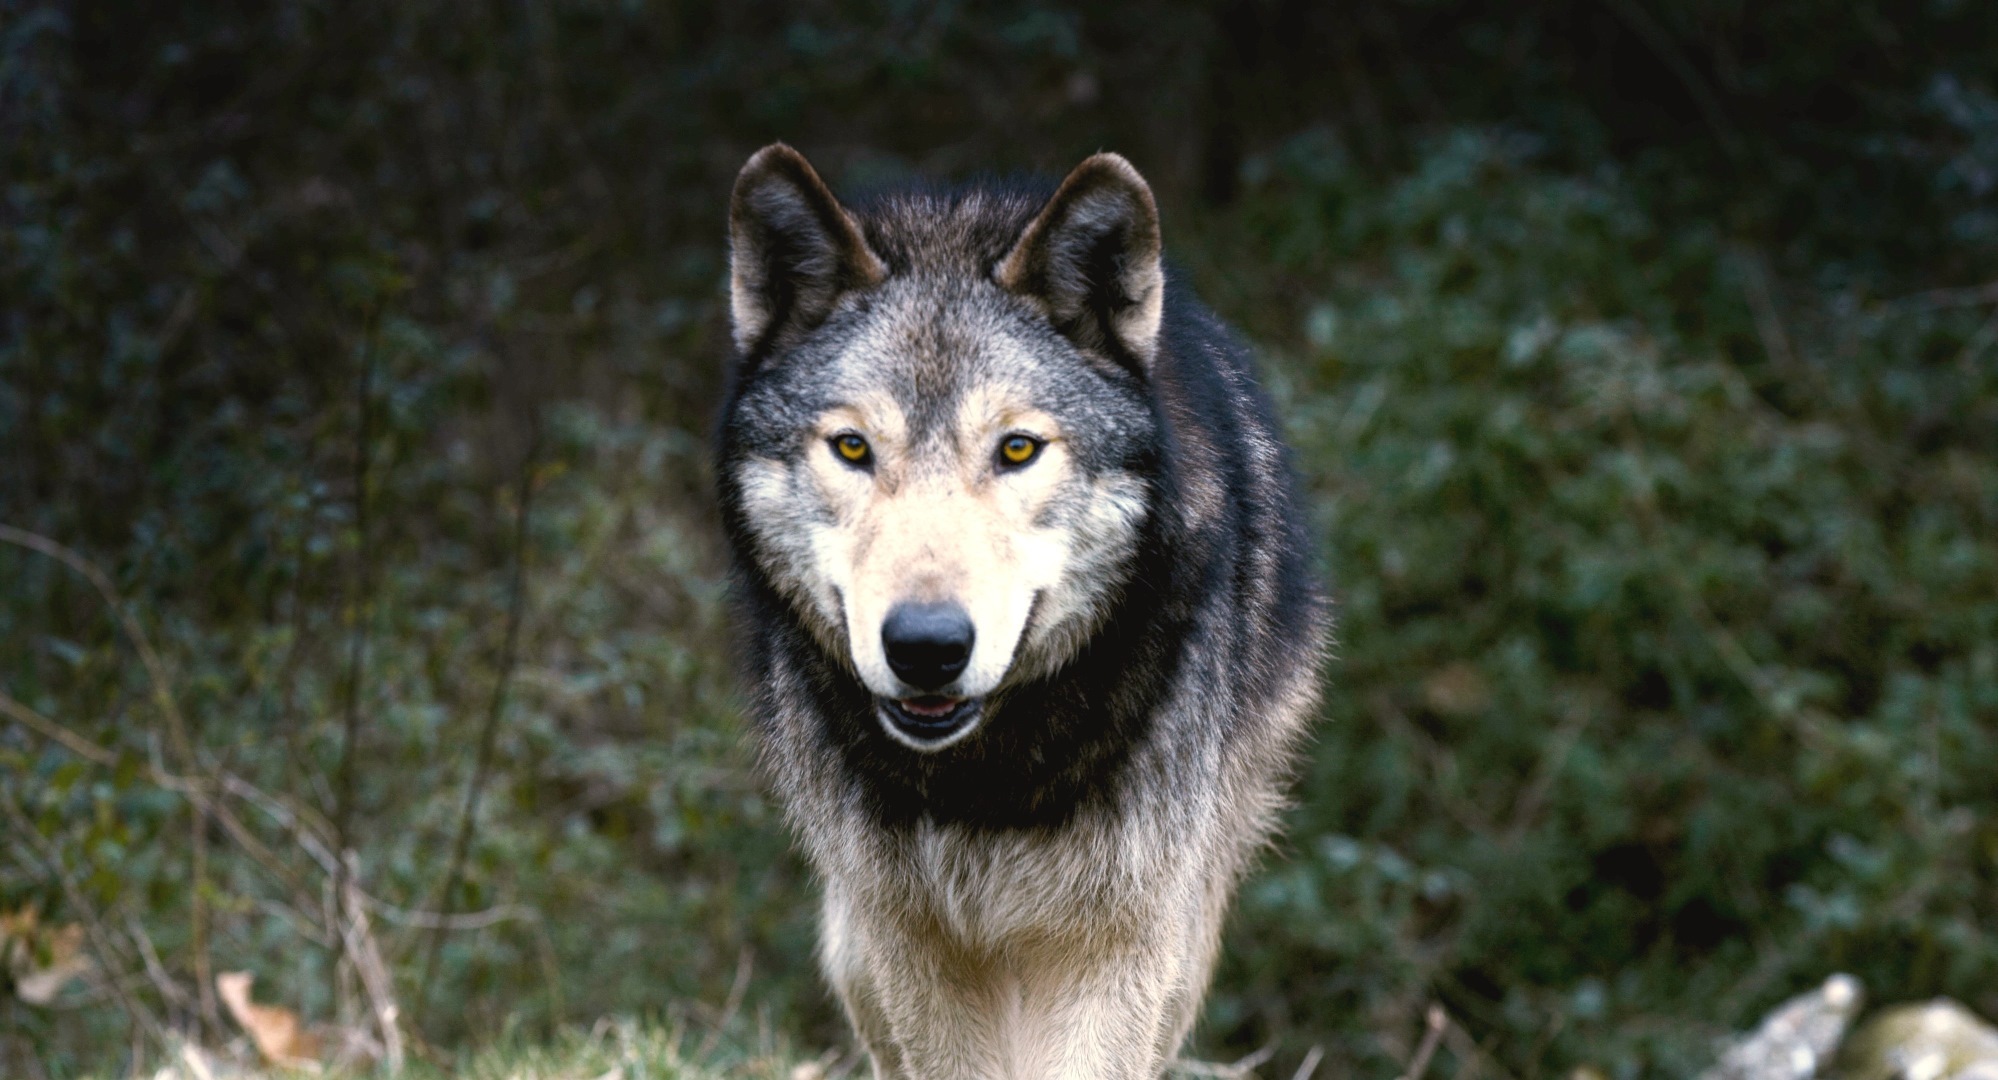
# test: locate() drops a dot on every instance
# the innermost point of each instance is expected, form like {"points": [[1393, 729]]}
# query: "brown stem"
{"points": [[204, 970], [1437, 1022], [155, 669], [489, 733], [359, 602]]}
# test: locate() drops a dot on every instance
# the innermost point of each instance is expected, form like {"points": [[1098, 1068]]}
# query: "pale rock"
{"points": [[1795, 1040], [1939, 1040]]}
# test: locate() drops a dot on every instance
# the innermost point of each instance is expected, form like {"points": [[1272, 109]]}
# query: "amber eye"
{"points": [[1017, 450], [851, 448]]}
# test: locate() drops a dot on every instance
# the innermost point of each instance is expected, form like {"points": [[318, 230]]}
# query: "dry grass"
{"points": [[620, 1049]]}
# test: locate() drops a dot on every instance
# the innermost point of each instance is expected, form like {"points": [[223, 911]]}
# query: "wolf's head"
{"points": [[940, 433]]}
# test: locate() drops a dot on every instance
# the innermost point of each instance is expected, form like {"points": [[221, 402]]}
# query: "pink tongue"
{"points": [[929, 706]]}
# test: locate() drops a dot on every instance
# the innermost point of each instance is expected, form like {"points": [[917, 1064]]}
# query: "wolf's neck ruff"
{"points": [[1032, 633]]}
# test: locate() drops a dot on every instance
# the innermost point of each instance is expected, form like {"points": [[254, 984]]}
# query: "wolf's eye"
{"points": [[852, 449], [1017, 450]]}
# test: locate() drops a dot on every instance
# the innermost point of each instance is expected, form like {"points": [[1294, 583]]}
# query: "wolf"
{"points": [[1031, 625]]}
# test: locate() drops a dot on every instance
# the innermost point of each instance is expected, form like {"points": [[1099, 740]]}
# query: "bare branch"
{"points": [[495, 708], [1761, 298], [1438, 1021], [358, 604], [304, 827], [54, 732], [1941, 299], [155, 970], [359, 943], [1236, 1070], [736, 990], [155, 670]]}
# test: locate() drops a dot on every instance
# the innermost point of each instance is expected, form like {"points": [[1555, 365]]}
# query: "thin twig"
{"points": [[1534, 798], [1474, 1057], [358, 942], [1712, 109], [156, 772], [155, 669], [1940, 299], [301, 923], [177, 733], [1310, 1063], [1373, 123], [1438, 1021], [177, 321], [313, 835], [155, 970], [1974, 349], [438, 920], [54, 732], [198, 790], [209, 1016], [294, 819], [357, 607], [516, 604], [551, 970], [1762, 305], [1235, 1070], [737, 990]]}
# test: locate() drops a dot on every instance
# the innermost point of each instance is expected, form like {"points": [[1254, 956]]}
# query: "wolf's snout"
{"points": [[927, 644]]}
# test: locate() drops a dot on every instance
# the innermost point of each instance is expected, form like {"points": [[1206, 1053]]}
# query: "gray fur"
{"points": [[1039, 891]]}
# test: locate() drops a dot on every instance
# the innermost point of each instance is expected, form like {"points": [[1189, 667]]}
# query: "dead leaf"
{"points": [[38, 984], [40, 961], [280, 1037], [19, 924]]}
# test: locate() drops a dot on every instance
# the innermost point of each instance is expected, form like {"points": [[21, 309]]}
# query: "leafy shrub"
{"points": [[1665, 680]]}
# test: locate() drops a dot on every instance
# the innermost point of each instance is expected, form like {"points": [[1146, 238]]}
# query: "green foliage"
{"points": [[1666, 673], [1662, 542]]}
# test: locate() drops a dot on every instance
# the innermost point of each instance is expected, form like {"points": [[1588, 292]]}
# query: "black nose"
{"points": [[927, 644]]}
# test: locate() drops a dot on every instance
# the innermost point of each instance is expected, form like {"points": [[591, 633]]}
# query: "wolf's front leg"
{"points": [[929, 1015], [1101, 1013], [922, 1009], [1113, 1006]]}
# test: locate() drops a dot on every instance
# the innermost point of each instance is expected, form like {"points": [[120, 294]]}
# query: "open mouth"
{"points": [[930, 718]]}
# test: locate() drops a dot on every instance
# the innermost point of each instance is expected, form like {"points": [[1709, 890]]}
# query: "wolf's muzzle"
{"points": [[927, 644]]}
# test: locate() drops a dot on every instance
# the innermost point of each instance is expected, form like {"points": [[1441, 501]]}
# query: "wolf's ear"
{"points": [[793, 249], [1093, 260]]}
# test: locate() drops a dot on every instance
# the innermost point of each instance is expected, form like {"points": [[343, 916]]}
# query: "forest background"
{"points": [[357, 364]]}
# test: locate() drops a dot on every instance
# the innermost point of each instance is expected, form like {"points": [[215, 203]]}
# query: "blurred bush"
{"points": [[1667, 671], [1627, 350]]}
